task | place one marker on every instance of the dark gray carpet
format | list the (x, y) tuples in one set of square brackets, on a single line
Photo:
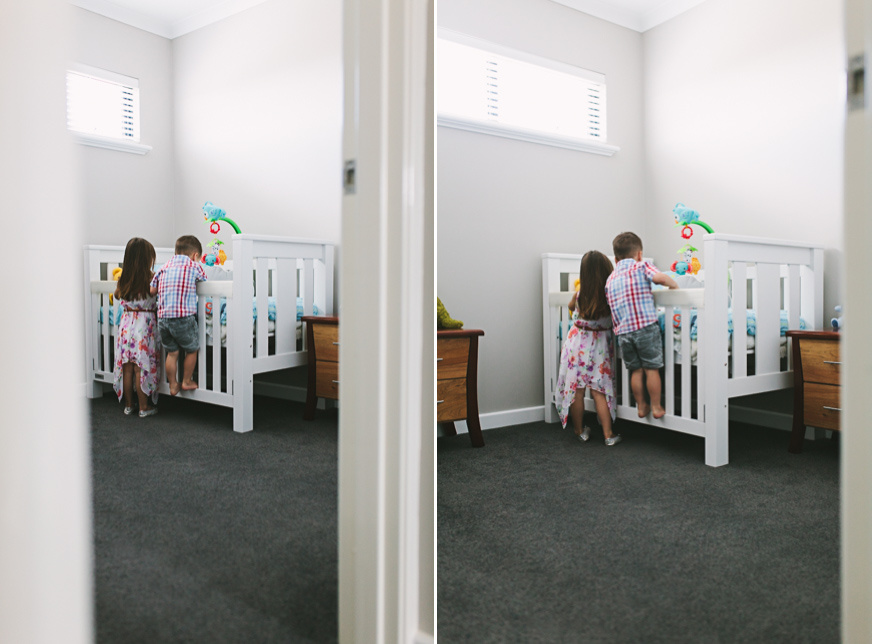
[(541, 538), (207, 536)]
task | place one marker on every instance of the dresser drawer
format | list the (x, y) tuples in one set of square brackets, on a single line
[(326, 379), (452, 355), (450, 400), (821, 405), (820, 361), (326, 341)]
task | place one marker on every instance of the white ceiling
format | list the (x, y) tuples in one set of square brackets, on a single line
[(167, 18), (640, 15), (173, 18)]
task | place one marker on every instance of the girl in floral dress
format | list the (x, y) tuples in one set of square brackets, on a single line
[(587, 357), (137, 348)]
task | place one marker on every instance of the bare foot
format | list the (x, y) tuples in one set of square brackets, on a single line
[(643, 409), (658, 412), (175, 388), (190, 385)]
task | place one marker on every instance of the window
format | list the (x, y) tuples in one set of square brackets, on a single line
[(492, 89), (103, 109)]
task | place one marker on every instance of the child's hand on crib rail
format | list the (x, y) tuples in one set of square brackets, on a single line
[(664, 280)]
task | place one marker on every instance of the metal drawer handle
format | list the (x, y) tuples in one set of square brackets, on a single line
[(832, 408), (831, 362), (439, 402), (335, 382), (438, 359), (336, 344)]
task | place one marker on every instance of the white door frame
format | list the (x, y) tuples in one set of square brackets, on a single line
[(46, 592), (857, 350), (387, 326)]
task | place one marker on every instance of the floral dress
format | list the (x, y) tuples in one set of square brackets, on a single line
[(137, 341), (586, 361)]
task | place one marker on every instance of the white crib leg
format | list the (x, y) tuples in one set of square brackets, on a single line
[(94, 389), (717, 438), (243, 409)]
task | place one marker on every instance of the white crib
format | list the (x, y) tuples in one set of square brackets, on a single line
[(265, 269), (766, 275)]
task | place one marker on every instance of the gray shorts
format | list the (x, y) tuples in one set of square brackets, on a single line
[(178, 333), (643, 348)]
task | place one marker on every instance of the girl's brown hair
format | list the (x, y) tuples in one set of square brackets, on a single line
[(136, 277), (592, 275)]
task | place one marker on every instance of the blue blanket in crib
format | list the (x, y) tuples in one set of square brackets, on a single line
[(271, 313), (750, 317)]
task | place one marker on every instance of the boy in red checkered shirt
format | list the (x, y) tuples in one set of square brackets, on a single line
[(634, 318), (176, 287)]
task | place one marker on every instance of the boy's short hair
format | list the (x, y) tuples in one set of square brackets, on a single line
[(626, 245), (188, 244)]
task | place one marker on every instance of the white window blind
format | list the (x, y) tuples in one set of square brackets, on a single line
[(493, 89), (103, 106)]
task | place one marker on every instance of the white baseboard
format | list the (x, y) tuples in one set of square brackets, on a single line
[(423, 638), (268, 389), (496, 419)]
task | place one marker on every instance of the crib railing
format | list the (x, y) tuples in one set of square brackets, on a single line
[(683, 407), (103, 333), (770, 275)]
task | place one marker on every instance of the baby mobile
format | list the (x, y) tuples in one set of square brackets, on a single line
[(214, 214), (685, 217)]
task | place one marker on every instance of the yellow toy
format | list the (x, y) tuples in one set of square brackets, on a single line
[(116, 275)]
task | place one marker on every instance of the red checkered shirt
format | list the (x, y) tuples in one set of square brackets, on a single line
[(628, 290), (176, 283)]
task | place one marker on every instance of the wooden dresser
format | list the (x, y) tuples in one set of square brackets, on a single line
[(322, 340), (817, 383), (457, 381)]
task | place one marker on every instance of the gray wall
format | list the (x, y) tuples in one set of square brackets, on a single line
[(734, 108), (258, 110), (501, 203), (128, 195), (744, 106)]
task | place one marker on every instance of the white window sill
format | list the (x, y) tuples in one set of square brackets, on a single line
[(531, 136), (109, 143)]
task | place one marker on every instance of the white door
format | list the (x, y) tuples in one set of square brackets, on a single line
[(857, 340), (45, 496), (387, 326)]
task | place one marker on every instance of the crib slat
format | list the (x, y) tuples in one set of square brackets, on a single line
[(285, 292), (262, 295), (216, 344), (201, 329), (793, 307), (767, 352), (308, 286), (625, 381), (686, 360), (107, 320), (95, 332), (669, 360), (700, 364), (739, 338), (228, 346)]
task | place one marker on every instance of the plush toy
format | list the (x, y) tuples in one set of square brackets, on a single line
[(688, 263), (443, 320), (214, 214), (214, 255), (838, 323), (116, 275), (684, 216)]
